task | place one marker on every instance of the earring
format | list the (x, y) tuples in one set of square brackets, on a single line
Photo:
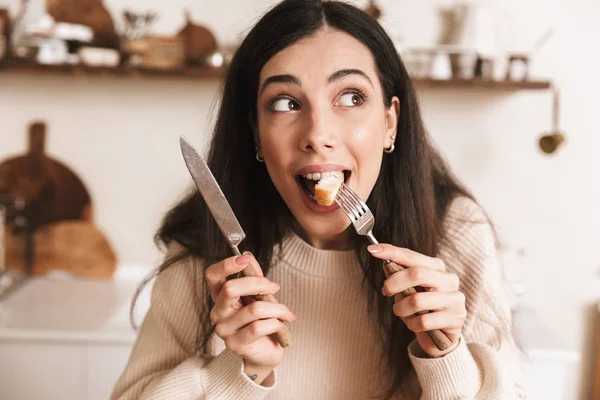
[(392, 147), (259, 158)]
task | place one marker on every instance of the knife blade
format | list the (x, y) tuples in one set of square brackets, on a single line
[(224, 216)]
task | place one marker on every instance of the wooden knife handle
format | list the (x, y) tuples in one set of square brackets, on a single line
[(441, 340), (283, 337)]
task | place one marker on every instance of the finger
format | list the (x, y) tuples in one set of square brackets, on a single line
[(225, 306), (256, 311), (250, 285), (426, 301), (406, 257), (439, 280), (242, 340), (443, 320), (255, 265), (216, 274)]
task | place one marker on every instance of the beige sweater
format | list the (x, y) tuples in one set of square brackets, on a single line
[(334, 354)]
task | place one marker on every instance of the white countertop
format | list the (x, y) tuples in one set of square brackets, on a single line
[(68, 309), (64, 308)]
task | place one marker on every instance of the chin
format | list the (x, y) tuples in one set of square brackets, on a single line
[(322, 227)]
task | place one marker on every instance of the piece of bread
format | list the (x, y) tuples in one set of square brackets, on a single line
[(327, 187)]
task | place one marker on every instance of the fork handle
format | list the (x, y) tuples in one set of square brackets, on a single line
[(441, 340)]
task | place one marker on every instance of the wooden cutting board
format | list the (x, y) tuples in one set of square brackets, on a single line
[(58, 209)]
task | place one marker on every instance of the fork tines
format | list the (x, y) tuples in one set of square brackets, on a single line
[(350, 203)]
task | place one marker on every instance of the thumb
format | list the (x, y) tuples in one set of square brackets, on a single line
[(254, 264)]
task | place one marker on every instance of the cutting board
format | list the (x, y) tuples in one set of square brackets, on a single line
[(58, 210)]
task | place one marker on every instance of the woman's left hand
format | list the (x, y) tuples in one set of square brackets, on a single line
[(443, 297)]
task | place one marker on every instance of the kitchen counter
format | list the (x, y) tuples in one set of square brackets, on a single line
[(60, 308), (64, 308), (73, 337)]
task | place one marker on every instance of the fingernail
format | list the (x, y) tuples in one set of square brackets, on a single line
[(383, 291), (275, 286), (373, 249), (242, 260)]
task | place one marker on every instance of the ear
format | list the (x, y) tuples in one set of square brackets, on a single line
[(391, 121)]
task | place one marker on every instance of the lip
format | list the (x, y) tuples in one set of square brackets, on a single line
[(321, 168)]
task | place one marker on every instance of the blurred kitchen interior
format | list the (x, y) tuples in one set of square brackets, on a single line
[(95, 94)]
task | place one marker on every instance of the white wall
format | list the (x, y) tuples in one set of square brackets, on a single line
[(121, 135)]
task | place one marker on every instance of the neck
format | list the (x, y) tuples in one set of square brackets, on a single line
[(343, 241)]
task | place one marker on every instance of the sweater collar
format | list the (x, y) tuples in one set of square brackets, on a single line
[(316, 262)]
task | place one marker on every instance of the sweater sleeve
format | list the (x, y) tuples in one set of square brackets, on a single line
[(164, 363), (485, 364)]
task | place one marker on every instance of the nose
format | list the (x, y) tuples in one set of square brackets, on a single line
[(319, 135)]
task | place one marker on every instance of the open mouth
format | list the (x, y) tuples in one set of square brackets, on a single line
[(309, 181)]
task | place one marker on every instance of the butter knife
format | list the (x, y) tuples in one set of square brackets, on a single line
[(223, 214)]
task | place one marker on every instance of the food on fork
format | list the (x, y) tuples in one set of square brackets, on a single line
[(327, 187)]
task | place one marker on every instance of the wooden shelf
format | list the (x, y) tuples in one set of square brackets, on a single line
[(198, 73), (482, 84), (208, 73)]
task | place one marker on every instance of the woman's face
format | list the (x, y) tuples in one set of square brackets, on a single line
[(321, 108)]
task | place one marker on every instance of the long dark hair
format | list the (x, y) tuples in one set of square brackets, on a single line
[(410, 197)]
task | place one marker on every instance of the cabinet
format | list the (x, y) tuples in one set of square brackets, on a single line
[(61, 371)]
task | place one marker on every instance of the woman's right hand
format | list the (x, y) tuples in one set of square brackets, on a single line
[(246, 328)]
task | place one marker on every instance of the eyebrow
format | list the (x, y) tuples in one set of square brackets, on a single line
[(345, 72), (279, 79), (336, 76)]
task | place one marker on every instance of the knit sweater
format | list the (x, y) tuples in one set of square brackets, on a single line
[(335, 354)]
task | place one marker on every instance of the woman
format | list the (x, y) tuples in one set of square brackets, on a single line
[(317, 87)]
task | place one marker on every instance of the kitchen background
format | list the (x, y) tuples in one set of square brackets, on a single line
[(120, 135)]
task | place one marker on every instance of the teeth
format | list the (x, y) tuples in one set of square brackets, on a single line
[(317, 176)]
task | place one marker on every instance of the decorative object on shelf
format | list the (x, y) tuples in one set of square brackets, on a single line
[(518, 67), (54, 228), (200, 44), (99, 57), (484, 68), (431, 62), (471, 28), (137, 25), (90, 13), (147, 51), (156, 52), (31, 25), (550, 141), (518, 63), (373, 11), (38, 36)]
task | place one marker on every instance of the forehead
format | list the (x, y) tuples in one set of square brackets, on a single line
[(321, 54)]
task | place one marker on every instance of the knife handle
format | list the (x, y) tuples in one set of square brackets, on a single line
[(283, 337), (441, 340)]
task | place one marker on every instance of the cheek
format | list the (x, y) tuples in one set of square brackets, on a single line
[(277, 155), (365, 137)]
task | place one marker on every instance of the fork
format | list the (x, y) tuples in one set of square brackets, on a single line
[(363, 221)]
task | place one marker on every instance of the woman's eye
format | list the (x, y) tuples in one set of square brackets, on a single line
[(351, 100), (285, 105)]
